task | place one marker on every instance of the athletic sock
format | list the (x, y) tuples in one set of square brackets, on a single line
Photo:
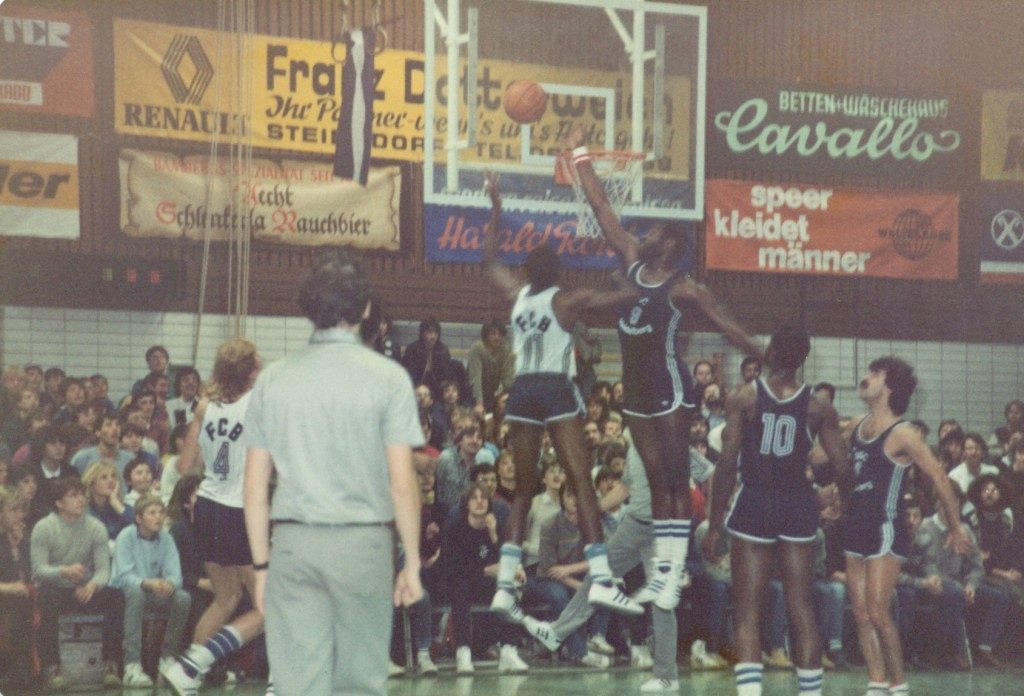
[(198, 660), (748, 678), (597, 560), (900, 689), (810, 681), (511, 557), (671, 539), (877, 689)]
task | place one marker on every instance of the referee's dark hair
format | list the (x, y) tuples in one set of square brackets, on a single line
[(899, 377), (336, 289), (788, 348)]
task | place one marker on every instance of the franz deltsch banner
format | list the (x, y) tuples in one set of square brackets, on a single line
[(455, 235), (39, 185), (771, 127), (791, 228), (45, 61), (287, 202)]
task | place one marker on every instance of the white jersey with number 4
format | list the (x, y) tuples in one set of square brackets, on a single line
[(222, 444), (540, 342)]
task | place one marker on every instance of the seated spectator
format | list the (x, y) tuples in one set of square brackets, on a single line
[(454, 465), (713, 406), (592, 437), (138, 479), (103, 499), (713, 586), (506, 468), (385, 342), (913, 579), (951, 449), (71, 567), (12, 381), (147, 570), (34, 377), (427, 359), (100, 395), (618, 398), (157, 360), (107, 430), (24, 482), (587, 351), (193, 572), (750, 369), (433, 416), (612, 429), (471, 548), (604, 482), (597, 411), (142, 412), (72, 396), (170, 476), (14, 431), (1001, 552), (491, 366), (159, 419), (973, 466), (36, 420), (15, 589), (544, 507), (495, 421), (49, 464), (699, 429), (1015, 476), (830, 587), (182, 407), (52, 397), (1013, 412), (132, 441), (703, 375)]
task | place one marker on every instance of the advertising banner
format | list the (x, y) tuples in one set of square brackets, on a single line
[(1002, 234), (1002, 136), (45, 61), (767, 228), (39, 185), (163, 195), (455, 235), (771, 127)]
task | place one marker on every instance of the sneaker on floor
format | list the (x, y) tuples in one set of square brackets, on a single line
[(509, 661), (611, 597), (110, 678), (827, 664), (395, 670), (55, 681), (672, 588), (426, 665), (134, 676), (600, 644), (701, 659), (270, 688), (640, 657), (778, 660), (655, 685), (542, 631), (175, 677), (463, 660), (505, 603), (595, 660)]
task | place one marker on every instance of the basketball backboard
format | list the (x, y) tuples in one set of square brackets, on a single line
[(632, 73)]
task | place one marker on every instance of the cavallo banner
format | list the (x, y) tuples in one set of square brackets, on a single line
[(164, 195), (45, 61), (39, 185), (1002, 136), (791, 228), (1002, 234), (455, 235), (771, 127)]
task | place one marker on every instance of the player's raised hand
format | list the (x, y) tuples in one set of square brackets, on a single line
[(491, 181), (577, 137)]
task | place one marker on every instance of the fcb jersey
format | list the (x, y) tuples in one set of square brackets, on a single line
[(540, 343), (221, 442)]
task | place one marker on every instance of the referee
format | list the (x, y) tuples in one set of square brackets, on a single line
[(337, 421)]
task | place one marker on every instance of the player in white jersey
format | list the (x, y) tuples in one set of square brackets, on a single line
[(543, 395), (216, 439)]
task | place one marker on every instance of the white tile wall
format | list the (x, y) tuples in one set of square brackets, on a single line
[(969, 382)]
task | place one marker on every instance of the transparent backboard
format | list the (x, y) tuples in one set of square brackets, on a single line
[(632, 73)]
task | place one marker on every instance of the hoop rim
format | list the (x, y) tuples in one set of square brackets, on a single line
[(608, 154)]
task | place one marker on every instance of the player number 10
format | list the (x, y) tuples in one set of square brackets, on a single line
[(778, 435)]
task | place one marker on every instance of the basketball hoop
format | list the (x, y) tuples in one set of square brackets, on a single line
[(617, 170)]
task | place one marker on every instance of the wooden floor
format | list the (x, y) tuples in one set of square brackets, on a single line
[(546, 682)]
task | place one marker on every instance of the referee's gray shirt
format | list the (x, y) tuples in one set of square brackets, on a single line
[(326, 413)]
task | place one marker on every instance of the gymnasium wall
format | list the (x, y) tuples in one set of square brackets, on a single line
[(943, 45)]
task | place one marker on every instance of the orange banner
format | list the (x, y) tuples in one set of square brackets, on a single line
[(45, 61), (821, 230)]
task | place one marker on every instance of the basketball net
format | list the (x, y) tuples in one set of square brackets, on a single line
[(617, 171)]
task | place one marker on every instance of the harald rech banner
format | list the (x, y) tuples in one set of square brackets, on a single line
[(808, 131)]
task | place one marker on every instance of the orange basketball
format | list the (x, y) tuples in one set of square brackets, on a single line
[(525, 101)]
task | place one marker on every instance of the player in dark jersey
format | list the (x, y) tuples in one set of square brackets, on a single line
[(659, 393), (770, 427), (874, 537)]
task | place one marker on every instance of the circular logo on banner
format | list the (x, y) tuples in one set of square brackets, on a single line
[(912, 234), (1008, 229)]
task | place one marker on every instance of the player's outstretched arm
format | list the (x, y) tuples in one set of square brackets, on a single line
[(500, 276), (831, 439), (724, 479), (569, 304), (687, 289), (622, 241), (909, 441)]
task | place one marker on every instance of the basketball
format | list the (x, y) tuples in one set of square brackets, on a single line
[(525, 101)]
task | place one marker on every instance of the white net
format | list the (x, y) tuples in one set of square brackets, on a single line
[(618, 172)]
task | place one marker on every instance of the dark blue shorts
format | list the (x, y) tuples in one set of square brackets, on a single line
[(220, 533), (660, 391), (874, 538), (544, 397), (765, 515)]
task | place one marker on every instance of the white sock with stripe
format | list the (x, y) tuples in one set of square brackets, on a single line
[(508, 562), (810, 681), (671, 542), (748, 678)]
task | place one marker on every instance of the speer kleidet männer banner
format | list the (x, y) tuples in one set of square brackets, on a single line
[(809, 131)]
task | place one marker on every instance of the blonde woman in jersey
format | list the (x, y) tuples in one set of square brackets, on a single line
[(216, 440), (543, 395)]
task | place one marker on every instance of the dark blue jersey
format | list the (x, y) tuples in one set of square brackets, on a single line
[(655, 378), (881, 482), (773, 453)]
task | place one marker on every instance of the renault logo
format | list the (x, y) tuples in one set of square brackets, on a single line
[(185, 45)]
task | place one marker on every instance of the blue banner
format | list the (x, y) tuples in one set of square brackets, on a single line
[(1002, 234), (455, 235)]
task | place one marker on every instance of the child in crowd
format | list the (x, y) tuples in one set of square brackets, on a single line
[(138, 478)]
